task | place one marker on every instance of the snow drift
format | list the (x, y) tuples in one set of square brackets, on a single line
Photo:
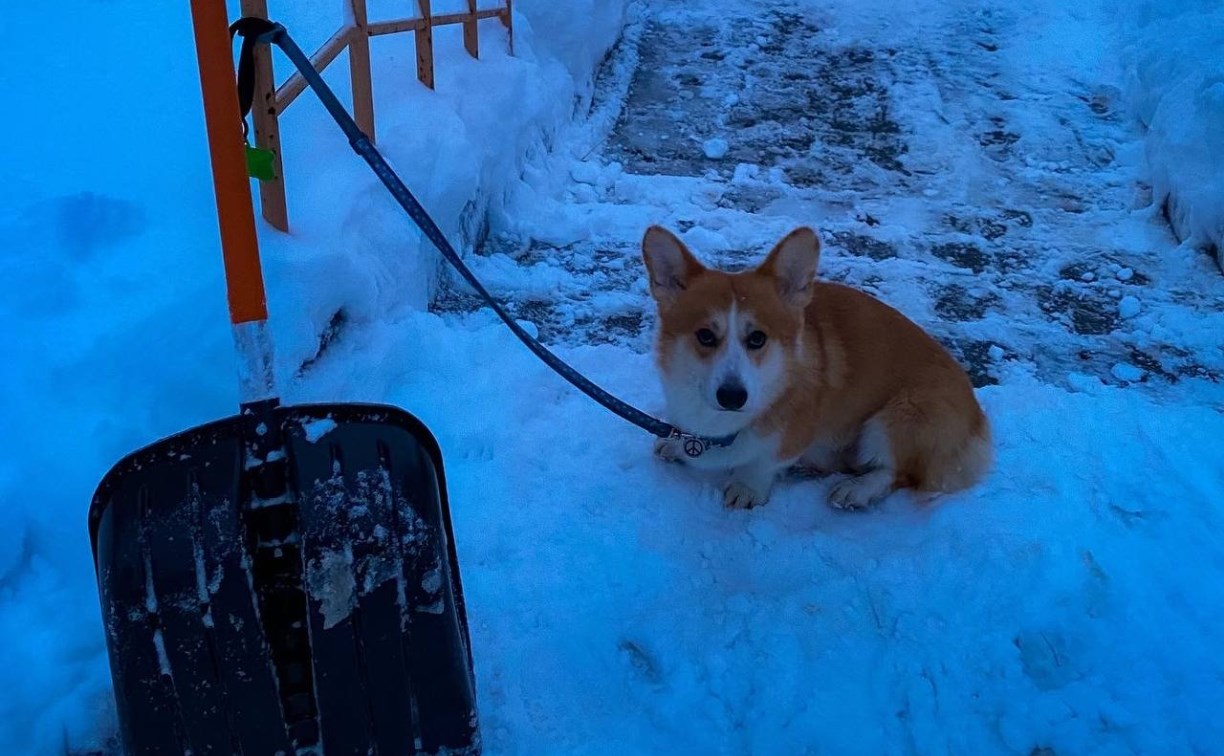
[(1176, 77)]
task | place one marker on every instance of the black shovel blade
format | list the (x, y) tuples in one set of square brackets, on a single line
[(310, 601)]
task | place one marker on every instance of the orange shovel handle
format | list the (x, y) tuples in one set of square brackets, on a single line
[(235, 213)]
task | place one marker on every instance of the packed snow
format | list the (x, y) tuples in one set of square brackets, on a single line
[(999, 171)]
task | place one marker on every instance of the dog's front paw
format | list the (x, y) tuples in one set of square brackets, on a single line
[(861, 491), (668, 449), (738, 495)]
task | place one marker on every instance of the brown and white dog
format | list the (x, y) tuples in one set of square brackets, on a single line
[(809, 374)]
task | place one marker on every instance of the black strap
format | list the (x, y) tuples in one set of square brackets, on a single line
[(251, 29), (258, 30)]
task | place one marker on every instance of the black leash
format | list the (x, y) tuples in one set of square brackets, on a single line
[(257, 30)]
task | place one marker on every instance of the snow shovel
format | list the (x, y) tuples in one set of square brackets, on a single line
[(284, 580)]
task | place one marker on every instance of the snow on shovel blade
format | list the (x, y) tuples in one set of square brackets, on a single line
[(329, 615)]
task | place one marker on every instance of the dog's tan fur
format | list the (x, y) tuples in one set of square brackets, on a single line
[(859, 388)]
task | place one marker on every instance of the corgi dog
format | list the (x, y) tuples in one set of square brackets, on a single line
[(808, 374)]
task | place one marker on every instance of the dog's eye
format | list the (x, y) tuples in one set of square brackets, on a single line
[(757, 339), (706, 337)]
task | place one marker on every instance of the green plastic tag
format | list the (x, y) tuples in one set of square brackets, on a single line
[(261, 164)]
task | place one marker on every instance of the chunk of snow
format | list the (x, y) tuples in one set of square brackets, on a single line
[(1124, 371), (745, 173), (1128, 307), (1082, 383), (163, 659), (585, 173), (705, 240), (585, 193), (432, 582), (715, 148), (317, 429), (332, 583)]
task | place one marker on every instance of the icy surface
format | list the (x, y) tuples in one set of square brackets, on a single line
[(991, 189), (972, 163)]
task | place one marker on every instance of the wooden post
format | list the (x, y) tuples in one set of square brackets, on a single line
[(471, 31), (267, 130), (424, 46), (359, 70), (508, 22)]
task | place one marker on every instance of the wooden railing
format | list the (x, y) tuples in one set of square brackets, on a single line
[(271, 101)]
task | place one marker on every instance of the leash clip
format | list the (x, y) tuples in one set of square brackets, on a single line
[(693, 446)]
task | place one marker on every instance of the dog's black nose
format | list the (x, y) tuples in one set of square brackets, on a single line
[(731, 396)]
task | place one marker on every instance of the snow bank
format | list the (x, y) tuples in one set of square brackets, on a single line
[(112, 298), (1176, 83), (459, 148)]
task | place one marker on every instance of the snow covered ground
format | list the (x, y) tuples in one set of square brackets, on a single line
[(1176, 84), (973, 163)]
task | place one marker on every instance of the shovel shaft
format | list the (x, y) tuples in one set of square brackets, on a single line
[(235, 213), (243, 277)]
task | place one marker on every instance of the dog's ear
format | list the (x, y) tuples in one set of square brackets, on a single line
[(792, 265), (669, 264)]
